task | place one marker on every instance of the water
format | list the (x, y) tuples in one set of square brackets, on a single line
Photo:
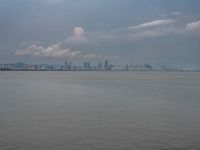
[(99, 110)]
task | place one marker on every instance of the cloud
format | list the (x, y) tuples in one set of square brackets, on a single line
[(58, 50), (193, 26), (79, 36), (55, 51), (154, 29), (52, 51), (147, 34), (164, 31), (154, 23), (78, 32), (154, 33)]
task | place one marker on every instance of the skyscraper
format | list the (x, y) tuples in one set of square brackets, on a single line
[(106, 65)]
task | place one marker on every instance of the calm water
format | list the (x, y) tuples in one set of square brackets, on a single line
[(99, 111)]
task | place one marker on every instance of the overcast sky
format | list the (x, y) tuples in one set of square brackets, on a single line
[(144, 31)]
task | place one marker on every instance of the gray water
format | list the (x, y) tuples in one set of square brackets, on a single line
[(99, 111)]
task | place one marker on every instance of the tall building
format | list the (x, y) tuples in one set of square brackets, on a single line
[(106, 66), (99, 66), (86, 65), (66, 63), (68, 66)]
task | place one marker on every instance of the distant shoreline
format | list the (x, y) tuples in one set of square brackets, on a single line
[(99, 70)]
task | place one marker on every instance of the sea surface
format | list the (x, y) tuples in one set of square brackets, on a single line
[(99, 111)]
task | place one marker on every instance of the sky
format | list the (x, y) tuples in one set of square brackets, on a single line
[(165, 32)]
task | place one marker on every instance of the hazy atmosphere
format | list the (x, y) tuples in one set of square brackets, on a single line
[(99, 74), (145, 31)]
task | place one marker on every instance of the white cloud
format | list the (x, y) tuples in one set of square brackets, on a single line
[(154, 23), (193, 26), (55, 51), (79, 36), (147, 34), (52, 51), (154, 29), (78, 32), (153, 33), (165, 31)]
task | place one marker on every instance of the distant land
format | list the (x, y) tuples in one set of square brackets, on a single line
[(87, 66)]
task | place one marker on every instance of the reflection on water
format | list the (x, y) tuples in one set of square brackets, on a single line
[(99, 110)]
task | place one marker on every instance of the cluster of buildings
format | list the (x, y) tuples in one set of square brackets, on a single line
[(68, 66), (86, 66)]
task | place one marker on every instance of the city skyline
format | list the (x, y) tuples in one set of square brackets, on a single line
[(89, 66), (69, 66), (164, 33)]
